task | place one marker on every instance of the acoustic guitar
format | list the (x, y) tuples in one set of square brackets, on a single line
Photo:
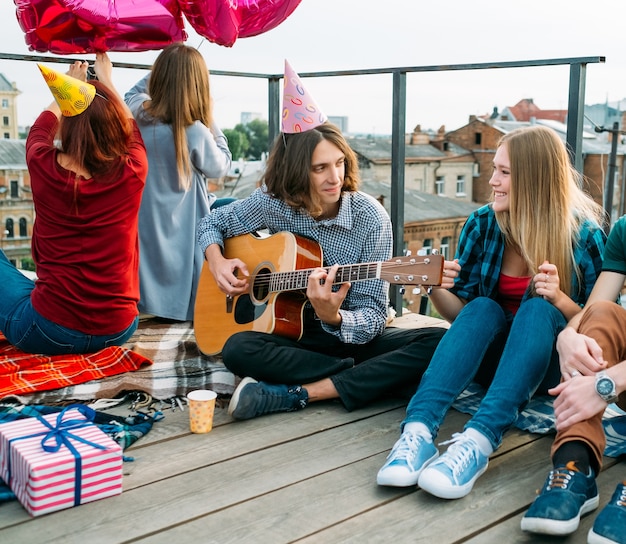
[(279, 267)]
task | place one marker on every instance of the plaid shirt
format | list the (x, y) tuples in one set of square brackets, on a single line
[(360, 233), (481, 246)]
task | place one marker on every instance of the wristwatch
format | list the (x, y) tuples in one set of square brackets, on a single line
[(605, 387)]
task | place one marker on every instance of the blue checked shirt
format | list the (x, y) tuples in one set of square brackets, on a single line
[(360, 233), (480, 250)]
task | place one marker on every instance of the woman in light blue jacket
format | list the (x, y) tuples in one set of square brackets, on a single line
[(173, 109)]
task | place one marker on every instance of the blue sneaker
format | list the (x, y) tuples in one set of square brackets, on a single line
[(567, 494), (452, 476), (610, 525), (408, 457), (253, 399)]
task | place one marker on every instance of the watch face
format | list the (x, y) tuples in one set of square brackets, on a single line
[(604, 386)]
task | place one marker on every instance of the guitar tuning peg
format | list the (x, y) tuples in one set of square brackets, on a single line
[(402, 290), (407, 252)]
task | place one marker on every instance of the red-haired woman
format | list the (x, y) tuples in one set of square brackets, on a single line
[(86, 191)]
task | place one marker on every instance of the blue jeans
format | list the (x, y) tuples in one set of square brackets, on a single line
[(29, 331), (513, 356)]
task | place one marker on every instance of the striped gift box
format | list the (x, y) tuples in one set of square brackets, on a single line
[(58, 461)]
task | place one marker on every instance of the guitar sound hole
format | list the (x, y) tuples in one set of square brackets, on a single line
[(246, 311), (260, 286)]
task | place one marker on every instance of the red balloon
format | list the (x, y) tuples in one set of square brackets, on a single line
[(90, 26), (223, 21)]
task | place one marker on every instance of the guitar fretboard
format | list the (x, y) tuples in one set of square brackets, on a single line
[(298, 279)]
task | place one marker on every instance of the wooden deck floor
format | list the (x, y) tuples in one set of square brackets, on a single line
[(305, 477)]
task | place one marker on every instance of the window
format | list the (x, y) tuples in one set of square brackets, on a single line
[(440, 186), (5, 103), (445, 247), (5, 120), (23, 227), (478, 138), (427, 247), (460, 186), (14, 189), (7, 136), (8, 228)]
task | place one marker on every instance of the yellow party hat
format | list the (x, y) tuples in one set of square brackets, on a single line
[(72, 95)]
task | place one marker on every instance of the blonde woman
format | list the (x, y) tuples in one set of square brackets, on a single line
[(525, 265), (172, 106)]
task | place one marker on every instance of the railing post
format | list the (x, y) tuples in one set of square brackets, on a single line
[(397, 175), (575, 113), (273, 106)]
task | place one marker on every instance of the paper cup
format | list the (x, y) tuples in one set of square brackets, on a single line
[(201, 408)]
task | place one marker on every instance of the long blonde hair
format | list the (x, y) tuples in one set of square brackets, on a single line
[(547, 205), (180, 95)]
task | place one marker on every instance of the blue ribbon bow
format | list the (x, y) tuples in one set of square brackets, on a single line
[(59, 435)]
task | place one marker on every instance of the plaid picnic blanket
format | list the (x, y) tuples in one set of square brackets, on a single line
[(22, 373), (538, 417), (177, 368), (123, 430)]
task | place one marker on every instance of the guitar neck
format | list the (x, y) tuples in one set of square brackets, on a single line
[(297, 279)]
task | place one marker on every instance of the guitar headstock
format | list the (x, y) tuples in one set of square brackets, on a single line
[(424, 270)]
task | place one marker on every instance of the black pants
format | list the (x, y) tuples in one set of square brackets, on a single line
[(390, 365)]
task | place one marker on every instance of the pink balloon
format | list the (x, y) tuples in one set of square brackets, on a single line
[(89, 26), (223, 21)]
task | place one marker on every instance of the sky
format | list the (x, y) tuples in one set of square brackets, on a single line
[(322, 35)]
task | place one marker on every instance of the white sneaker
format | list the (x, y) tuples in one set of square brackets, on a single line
[(408, 457), (453, 475)]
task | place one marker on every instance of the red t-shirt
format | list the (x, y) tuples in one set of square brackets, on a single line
[(511, 291), (85, 244)]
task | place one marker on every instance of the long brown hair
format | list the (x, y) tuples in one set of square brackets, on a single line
[(287, 174), (98, 139), (546, 203), (180, 95)]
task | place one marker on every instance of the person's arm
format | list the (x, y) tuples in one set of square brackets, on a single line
[(577, 399), (138, 92), (231, 275), (463, 278), (104, 71), (208, 150), (578, 352), (357, 312), (608, 286), (446, 302)]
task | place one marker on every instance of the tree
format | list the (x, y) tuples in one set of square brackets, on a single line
[(237, 143), (257, 132)]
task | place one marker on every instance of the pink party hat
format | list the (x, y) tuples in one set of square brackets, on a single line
[(300, 111)]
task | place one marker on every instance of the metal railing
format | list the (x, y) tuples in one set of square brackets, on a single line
[(575, 113)]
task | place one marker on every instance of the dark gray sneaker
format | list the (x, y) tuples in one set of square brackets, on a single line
[(566, 495), (253, 399)]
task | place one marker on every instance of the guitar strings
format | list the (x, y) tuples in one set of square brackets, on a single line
[(291, 277)]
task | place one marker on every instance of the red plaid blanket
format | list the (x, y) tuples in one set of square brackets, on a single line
[(22, 373)]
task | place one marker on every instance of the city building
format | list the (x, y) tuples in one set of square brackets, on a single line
[(17, 212), (430, 166), (481, 135), (248, 116), (340, 121), (8, 109)]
